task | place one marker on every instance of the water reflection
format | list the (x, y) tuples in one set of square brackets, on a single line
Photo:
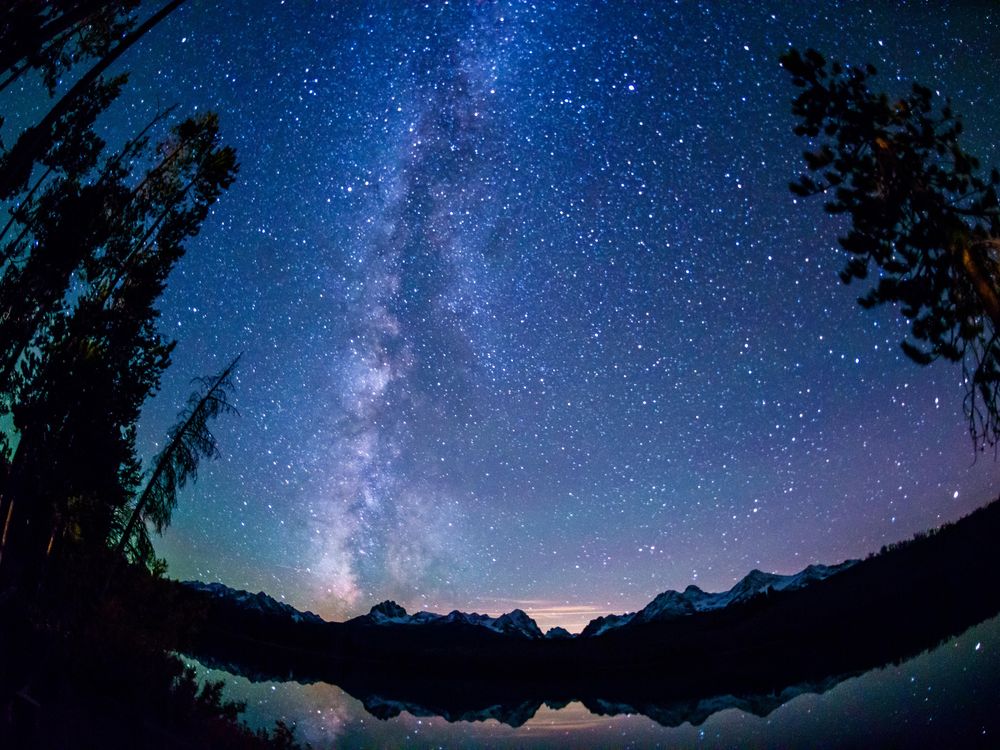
[(945, 697)]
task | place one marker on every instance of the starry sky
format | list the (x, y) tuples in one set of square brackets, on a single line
[(530, 317)]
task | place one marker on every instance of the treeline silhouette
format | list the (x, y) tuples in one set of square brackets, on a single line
[(89, 234)]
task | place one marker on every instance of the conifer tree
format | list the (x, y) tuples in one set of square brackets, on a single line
[(920, 211), (83, 384), (34, 142), (85, 252), (53, 36), (188, 443)]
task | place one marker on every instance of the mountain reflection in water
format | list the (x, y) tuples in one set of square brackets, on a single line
[(944, 697)]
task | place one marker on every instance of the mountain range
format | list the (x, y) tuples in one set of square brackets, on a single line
[(260, 603), (668, 606), (671, 605), (766, 633), (515, 623)]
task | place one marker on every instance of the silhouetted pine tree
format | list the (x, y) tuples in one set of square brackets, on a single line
[(53, 36), (66, 224), (84, 255), (188, 443), (75, 461), (83, 384), (919, 211), (33, 143)]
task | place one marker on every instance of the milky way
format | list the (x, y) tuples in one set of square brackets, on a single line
[(529, 315)]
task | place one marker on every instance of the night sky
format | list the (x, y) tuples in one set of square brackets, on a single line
[(530, 317)]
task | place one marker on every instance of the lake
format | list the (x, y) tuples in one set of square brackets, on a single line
[(946, 697)]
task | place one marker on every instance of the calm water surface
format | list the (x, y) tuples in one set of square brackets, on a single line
[(948, 697)]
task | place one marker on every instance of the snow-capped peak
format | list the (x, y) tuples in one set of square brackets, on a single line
[(516, 623), (671, 605), (259, 602), (388, 611)]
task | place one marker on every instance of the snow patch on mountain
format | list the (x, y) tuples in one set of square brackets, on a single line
[(671, 605), (259, 602), (516, 623)]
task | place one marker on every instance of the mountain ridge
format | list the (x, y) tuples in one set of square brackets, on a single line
[(388, 613), (665, 607), (260, 602), (891, 605), (671, 604)]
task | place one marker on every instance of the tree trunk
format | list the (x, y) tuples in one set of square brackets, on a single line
[(8, 503), (15, 169), (982, 282), (24, 48)]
